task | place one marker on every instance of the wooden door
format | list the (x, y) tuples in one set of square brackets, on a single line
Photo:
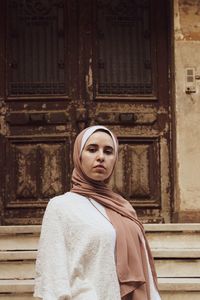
[(126, 54), (38, 100), (69, 64)]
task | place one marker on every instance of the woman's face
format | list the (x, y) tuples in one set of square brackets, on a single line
[(98, 156)]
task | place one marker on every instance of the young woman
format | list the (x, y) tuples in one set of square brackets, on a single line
[(92, 246)]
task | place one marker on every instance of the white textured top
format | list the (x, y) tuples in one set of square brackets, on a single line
[(75, 258), (76, 252)]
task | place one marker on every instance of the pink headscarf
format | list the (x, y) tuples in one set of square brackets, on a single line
[(131, 260)]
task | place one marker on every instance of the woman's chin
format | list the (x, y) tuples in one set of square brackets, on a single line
[(99, 177)]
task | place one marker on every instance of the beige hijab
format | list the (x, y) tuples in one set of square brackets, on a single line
[(131, 260)]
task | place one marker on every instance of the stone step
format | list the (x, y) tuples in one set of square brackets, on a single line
[(17, 255), (179, 288), (19, 237), (174, 295), (11, 296), (170, 243), (21, 264), (164, 296), (16, 286), (165, 268), (17, 270), (160, 236), (174, 288), (157, 253), (176, 253), (170, 236), (175, 247), (178, 268)]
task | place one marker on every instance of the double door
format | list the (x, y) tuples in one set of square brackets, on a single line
[(66, 65)]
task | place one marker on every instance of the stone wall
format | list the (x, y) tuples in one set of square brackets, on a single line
[(187, 111)]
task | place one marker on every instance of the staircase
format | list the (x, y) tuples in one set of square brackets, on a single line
[(176, 249)]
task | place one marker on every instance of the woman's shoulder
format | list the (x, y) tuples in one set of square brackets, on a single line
[(68, 200), (64, 206)]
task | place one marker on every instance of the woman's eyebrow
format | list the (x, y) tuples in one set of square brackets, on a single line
[(110, 147), (96, 145), (92, 145)]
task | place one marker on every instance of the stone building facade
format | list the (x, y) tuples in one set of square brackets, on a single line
[(186, 37)]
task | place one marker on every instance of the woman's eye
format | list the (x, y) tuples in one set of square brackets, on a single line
[(92, 150), (108, 152)]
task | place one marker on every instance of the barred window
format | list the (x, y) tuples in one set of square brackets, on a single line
[(124, 47), (36, 38)]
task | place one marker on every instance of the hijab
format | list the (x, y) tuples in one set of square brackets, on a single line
[(130, 252)]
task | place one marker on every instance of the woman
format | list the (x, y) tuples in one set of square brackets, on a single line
[(92, 246)]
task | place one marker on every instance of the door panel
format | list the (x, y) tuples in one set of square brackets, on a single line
[(36, 171), (71, 64), (127, 90), (140, 180)]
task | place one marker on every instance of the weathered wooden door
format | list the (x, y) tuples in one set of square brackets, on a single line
[(69, 64)]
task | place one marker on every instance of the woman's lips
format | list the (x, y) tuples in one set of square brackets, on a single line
[(99, 167)]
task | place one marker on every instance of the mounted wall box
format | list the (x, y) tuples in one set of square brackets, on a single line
[(190, 81)]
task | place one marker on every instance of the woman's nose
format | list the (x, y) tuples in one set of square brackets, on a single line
[(100, 155)]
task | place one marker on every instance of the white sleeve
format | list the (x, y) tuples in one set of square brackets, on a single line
[(52, 271)]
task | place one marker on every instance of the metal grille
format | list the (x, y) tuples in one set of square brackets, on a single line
[(124, 47), (36, 37)]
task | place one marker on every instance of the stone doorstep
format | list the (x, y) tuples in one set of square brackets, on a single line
[(165, 284)]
